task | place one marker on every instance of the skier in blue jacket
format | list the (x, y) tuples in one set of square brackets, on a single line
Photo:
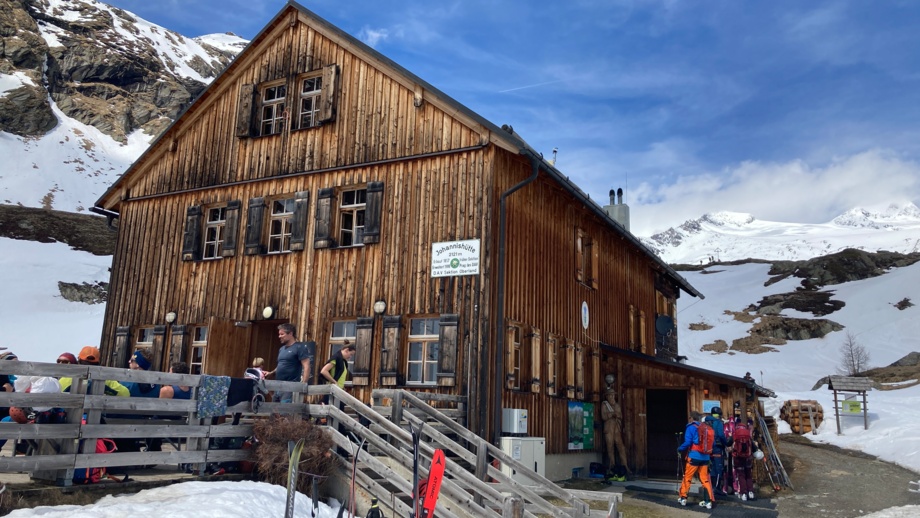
[(717, 458), (697, 462)]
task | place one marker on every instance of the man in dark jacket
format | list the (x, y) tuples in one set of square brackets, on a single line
[(717, 458)]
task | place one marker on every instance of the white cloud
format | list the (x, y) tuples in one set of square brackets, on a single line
[(794, 191), (373, 36)]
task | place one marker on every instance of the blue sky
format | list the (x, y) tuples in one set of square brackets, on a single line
[(790, 111)]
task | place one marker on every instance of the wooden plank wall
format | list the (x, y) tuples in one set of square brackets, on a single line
[(435, 199), (542, 290)]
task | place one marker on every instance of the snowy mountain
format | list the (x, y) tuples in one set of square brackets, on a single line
[(731, 236), (84, 88)]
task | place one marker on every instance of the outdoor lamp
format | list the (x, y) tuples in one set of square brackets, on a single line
[(268, 312), (170, 317), (379, 307)]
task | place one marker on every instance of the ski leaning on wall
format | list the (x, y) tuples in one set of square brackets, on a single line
[(433, 484)]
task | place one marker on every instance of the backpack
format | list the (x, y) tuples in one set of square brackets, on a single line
[(94, 475), (742, 448), (705, 437)]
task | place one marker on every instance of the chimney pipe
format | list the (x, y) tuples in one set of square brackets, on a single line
[(620, 196)]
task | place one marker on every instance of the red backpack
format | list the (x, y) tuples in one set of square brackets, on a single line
[(94, 475), (742, 447), (705, 437)]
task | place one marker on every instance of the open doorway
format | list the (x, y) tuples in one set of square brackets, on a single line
[(666, 419), (263, 342)]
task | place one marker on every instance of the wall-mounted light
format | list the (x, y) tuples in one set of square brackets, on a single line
[(268, 312), (170, 317), (610, 378), (380, 307)]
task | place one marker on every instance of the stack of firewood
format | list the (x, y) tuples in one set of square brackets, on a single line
[(803, 415)]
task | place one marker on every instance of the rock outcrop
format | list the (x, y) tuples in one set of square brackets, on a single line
[(99, 65)]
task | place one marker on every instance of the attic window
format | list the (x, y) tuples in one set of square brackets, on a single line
[(308, 111), (273, 110), (586, 256)]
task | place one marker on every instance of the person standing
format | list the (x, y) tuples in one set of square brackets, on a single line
[(717, 458), (743, 452), (697, 461), (293, 361), (336, 369)]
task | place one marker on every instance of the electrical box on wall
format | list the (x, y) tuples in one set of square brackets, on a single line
[(529, 451), (514, 421)]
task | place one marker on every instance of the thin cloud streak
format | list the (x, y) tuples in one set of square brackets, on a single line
[(530, 86)]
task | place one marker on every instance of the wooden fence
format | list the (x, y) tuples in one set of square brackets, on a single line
[(56, 450)]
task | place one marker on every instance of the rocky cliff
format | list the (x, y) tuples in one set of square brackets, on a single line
[(99, 65)]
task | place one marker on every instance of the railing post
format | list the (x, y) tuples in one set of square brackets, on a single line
[(512, 507), (482, 467)]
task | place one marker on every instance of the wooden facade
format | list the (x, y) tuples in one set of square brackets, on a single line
[(252, 199)]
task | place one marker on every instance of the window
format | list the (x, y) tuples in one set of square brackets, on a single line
[(144, 337), (351, 217), (211, 233), (308, 113), (554, 366), (586, 259), (214, 232), (279, 226), (198, 350), (344, 332), (273, 110), (422, 364)]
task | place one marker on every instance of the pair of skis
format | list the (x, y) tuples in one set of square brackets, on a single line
[(431, 487)]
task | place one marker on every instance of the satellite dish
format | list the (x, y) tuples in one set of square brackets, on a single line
[(664, 325)]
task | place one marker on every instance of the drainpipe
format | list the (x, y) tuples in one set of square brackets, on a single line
[(499, 386)]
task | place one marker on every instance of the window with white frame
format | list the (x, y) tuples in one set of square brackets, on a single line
[(214, 227), (280, 223), (311, 89), (198, 350), (144, 337), (351, 217), (422, 360), (343, 332), (273, 110)]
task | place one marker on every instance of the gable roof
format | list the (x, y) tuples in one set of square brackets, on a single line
[(504, 137)]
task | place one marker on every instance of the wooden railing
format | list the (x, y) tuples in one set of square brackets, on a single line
[(59, 449)]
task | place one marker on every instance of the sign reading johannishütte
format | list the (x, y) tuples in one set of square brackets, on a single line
[(454, 258)]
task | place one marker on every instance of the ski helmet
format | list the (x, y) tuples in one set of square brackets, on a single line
[(758, 454), (18, 415), (716, 411)]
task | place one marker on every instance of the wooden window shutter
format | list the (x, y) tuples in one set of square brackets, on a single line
[(642, 342), (632, 327), (245, 111), (536, 349), (579, 255), (551, 357), (595, 386), (510, 382), (363, 342), (299, 225), (122, 347), (191, 241), (178, 344), (579, 371), (389, 354), (594, 262), (159, 347), (329, 94), (254, 217), (322, 229), (372, 212), (447, 352), (570, 381), (231, 228)]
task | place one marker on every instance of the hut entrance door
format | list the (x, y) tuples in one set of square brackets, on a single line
[(228, 343), (666, 418), (264, 342)]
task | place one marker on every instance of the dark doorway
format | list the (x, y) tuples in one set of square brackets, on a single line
[(666, 418), (264, 342)]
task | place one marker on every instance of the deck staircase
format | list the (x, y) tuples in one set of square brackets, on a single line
[(474, 484)]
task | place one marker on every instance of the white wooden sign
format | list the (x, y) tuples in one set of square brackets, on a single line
[(455, 258)]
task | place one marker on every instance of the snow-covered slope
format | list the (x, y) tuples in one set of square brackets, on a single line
[(730, 236)]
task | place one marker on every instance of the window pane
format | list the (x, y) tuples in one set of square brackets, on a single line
[(201, 334), (348, 198), (415, 351), (431, 372), (417, 327), (415, 372)]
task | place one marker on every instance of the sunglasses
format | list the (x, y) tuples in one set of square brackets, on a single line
[(63, 361)]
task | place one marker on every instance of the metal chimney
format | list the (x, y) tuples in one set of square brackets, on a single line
[(617, 210)]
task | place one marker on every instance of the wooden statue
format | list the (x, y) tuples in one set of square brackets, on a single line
[(612, 414)]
